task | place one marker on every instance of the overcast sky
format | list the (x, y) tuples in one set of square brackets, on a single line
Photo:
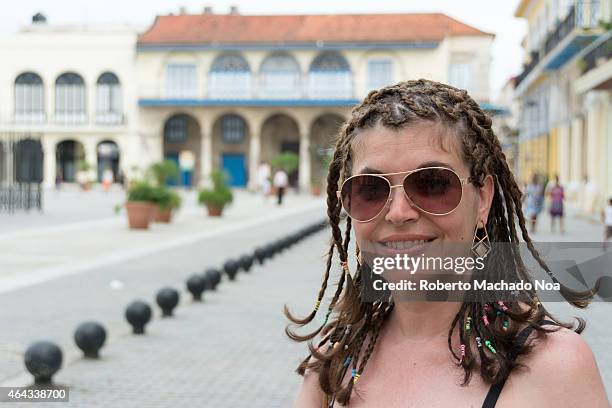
[(487, 15)]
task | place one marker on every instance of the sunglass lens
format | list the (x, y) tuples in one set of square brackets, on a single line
[(363, 197), (437, 191)]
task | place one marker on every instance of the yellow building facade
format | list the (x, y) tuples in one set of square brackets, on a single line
[(564, 93)]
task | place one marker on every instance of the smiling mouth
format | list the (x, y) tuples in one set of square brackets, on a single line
[(405, 245)]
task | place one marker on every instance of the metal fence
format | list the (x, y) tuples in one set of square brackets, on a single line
[(21, 172)]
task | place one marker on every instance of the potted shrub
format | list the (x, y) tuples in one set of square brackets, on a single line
[(218, 197), (139, 205), (82, 176), (162, 204)]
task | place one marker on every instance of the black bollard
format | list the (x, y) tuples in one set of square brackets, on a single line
[(213, 276), (260, 255), (43, 359), (167, 299), (246, 261), (196, 284), (231, 268), (138, 314), (90, 337)]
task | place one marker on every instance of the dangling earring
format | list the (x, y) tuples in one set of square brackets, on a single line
[(481, 246)]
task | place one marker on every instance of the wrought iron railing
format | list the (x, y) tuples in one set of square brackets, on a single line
[(600, 52)]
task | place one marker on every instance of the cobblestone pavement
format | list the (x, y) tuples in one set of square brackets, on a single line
[(229, 351)]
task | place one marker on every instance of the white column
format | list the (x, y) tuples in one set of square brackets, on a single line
[(304, 169), (49, 170), (50, 102), (206, 154), (254, 154), (576, 151), (564, 152), (91, 107)]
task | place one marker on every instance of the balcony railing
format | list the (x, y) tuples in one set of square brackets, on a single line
[(535, 59), (584, 14), (251, 87), (600, 52), (64, 118)]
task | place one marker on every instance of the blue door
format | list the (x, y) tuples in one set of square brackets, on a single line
[(174, 158), (234, 164)]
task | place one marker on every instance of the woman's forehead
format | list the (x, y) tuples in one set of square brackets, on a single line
[(389, 150)]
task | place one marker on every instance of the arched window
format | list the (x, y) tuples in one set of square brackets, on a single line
[(279, 77), (175, 130), (108, 99), (380, 73), (29, 98), (233, 129), (229, 78), (70, 99), (330, 77)]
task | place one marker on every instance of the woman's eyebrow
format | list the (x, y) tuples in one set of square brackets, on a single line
[(370, 170), (435, 164)]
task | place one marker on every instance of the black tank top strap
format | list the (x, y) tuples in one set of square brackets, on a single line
[(496, 389)]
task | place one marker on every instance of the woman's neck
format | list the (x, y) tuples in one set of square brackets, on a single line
[(421, 321)]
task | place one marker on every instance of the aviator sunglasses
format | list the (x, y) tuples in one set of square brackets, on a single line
[(433, 190)]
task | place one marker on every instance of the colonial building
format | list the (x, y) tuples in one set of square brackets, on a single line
[(564, 96), (222, 91), (71, 89)]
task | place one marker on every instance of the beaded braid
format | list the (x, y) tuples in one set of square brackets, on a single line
[(493, 336)]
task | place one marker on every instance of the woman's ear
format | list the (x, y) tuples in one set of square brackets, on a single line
[(486, 193)]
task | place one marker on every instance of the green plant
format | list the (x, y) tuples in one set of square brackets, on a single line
[(220, 195), (141, 191), (606, 25), (287, 161), (162, 196), (581, 64), (175, 199), (83, 165), (163, 171)]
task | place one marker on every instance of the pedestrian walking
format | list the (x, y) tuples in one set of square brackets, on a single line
[(534, 197), (263, 178), (280, 182), (107, 178), (606, 217), (557, 195)]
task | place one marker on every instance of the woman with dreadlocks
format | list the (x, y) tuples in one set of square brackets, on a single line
[(435, 144)]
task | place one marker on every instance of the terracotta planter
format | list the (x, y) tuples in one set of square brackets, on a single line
[(139, 214), (213, 210), (159, 215), (316, 190)]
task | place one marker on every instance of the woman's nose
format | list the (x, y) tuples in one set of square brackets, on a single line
[(401, 210)]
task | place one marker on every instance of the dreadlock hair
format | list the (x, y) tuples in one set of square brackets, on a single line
[(490, 338)]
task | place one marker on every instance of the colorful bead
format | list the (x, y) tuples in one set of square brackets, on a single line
[(356, 378), (490, 346), (347, 362), (486, 307), (317, 305), (506, 324), (462, 348), (478, 342), (503, 305), (485, 319), (468, 324), (499, 313)]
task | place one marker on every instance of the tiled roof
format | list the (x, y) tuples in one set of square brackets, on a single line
[(345, 28)]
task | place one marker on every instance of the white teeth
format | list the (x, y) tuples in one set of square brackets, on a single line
[(403, 244)]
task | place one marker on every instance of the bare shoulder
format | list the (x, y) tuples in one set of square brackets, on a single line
[(562, 371), (309, 395)]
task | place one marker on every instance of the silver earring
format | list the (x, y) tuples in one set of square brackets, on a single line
[(481, 246)]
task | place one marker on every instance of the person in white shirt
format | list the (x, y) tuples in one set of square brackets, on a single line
[(280, 182), (606, 216)]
